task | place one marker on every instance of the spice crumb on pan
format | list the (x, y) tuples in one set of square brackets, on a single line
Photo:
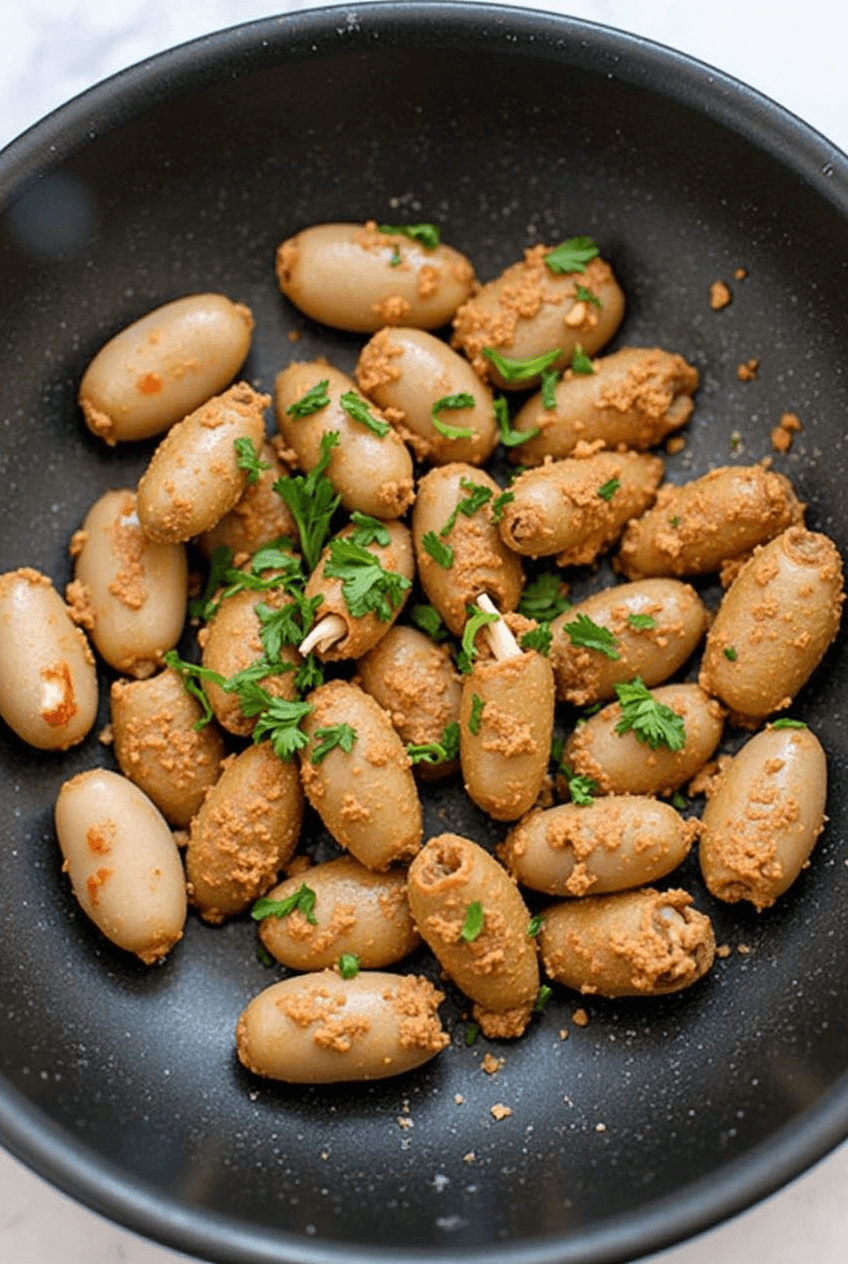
[(740, 273), (748, 370), (491, 1065), (580, 1018), (499, 1111), (600, 1127), (723, 950), (675, 444), (470, 1157), (785, 431), (743, 949), (563, 1031), (720, 295)]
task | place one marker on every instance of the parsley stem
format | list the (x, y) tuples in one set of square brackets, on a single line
[(326, 632)]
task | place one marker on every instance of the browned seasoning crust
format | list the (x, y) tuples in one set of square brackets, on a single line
[(497, 969), (416, 683), (504, 762), (493, 317), (321, 1029), (158, 747), (695, 528), (244, 833), (635, 397), (557, 508), (367, 797), (632, 943)]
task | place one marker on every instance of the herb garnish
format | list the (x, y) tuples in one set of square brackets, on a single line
[(278, 718), (500, 503), (312, 500), (477, 619), (541, 599), (572, 255), (479, 495), (580, 362), (357, 409), (369, 531), (313, 401), (642, 621), (786, 723), (303, 900), (437, 752), (191, 674), (428, 619), (462, 400), (511, 370), (580, 787), (349, 965), (545, 994), (651, 721), (341, 735), (730, 653), (585, 295), (475, 720), (584, 633), (550, 377), (247, 459), (535, 925), (427, 235), (440, 553), (510, 438), (473, 922), (607, 490), (538, 639), (367, 587)]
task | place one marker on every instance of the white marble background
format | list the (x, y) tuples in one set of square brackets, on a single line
[(53, 49)]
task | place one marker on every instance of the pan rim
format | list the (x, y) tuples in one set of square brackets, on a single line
[(640, 62)]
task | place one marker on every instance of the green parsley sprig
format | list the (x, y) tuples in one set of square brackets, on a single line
[(427, 235), (248, 459), (510, 438), (367, 587), (651, 722), (357, 409), (515, 371), (312, 500), (477, 619), (479, 495), (303, 900), (455, 402), (542, 600), (327, 739), (440, 752), (584, 633), (313, 401), (572, 255)]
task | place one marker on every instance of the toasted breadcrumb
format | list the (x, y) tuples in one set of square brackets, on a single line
[(740, 273), (723, 951), (499, 1111), (747, 371), (580, 1018), (491, 1065), (783, 433), (720, 295)]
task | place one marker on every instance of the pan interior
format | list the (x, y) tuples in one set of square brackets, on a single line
[(505, 128)]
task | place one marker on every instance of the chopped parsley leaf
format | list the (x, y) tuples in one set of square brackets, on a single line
[(511, 370), (303, 900), (730, 653), (437, 752), (607, 490), (440, 553), (535, 925), (369, 530), (341, 735), (312, 500), (312, 402), (580, 362), (538, 639), (545, 994), (541, 599), (473, 922), (642, 621), (572, 255), (477, 619), (786, 723), (475, 720), (248, 460), (462, 400), (652, 722), (586, 634), (349, 965), (500, 503), (479, 496), (550, 377), (427, 235), (428, 619), (510, 438), (357, 409), (192, 674), (367, 587), (585, 295)]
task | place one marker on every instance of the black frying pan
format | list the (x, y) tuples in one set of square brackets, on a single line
[(120, 1083)]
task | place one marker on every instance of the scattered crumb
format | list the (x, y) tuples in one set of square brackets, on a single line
[(783, 434), (743, 948), (405, 1122), (740, 273), (181, 837), (294, 335), (106, 735), (600, 1127), (491, 1065), (720, 295), (499, 1111), (675, 444), (325, 1154), (580, 1018), (458, 1098), (470, 1157), (563, 1031), (723, 950), (736, 441), (747, 371)]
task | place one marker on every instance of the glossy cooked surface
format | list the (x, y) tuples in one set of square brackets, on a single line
[(678, 195)]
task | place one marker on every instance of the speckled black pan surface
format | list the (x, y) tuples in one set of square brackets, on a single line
[(120, 1083)]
